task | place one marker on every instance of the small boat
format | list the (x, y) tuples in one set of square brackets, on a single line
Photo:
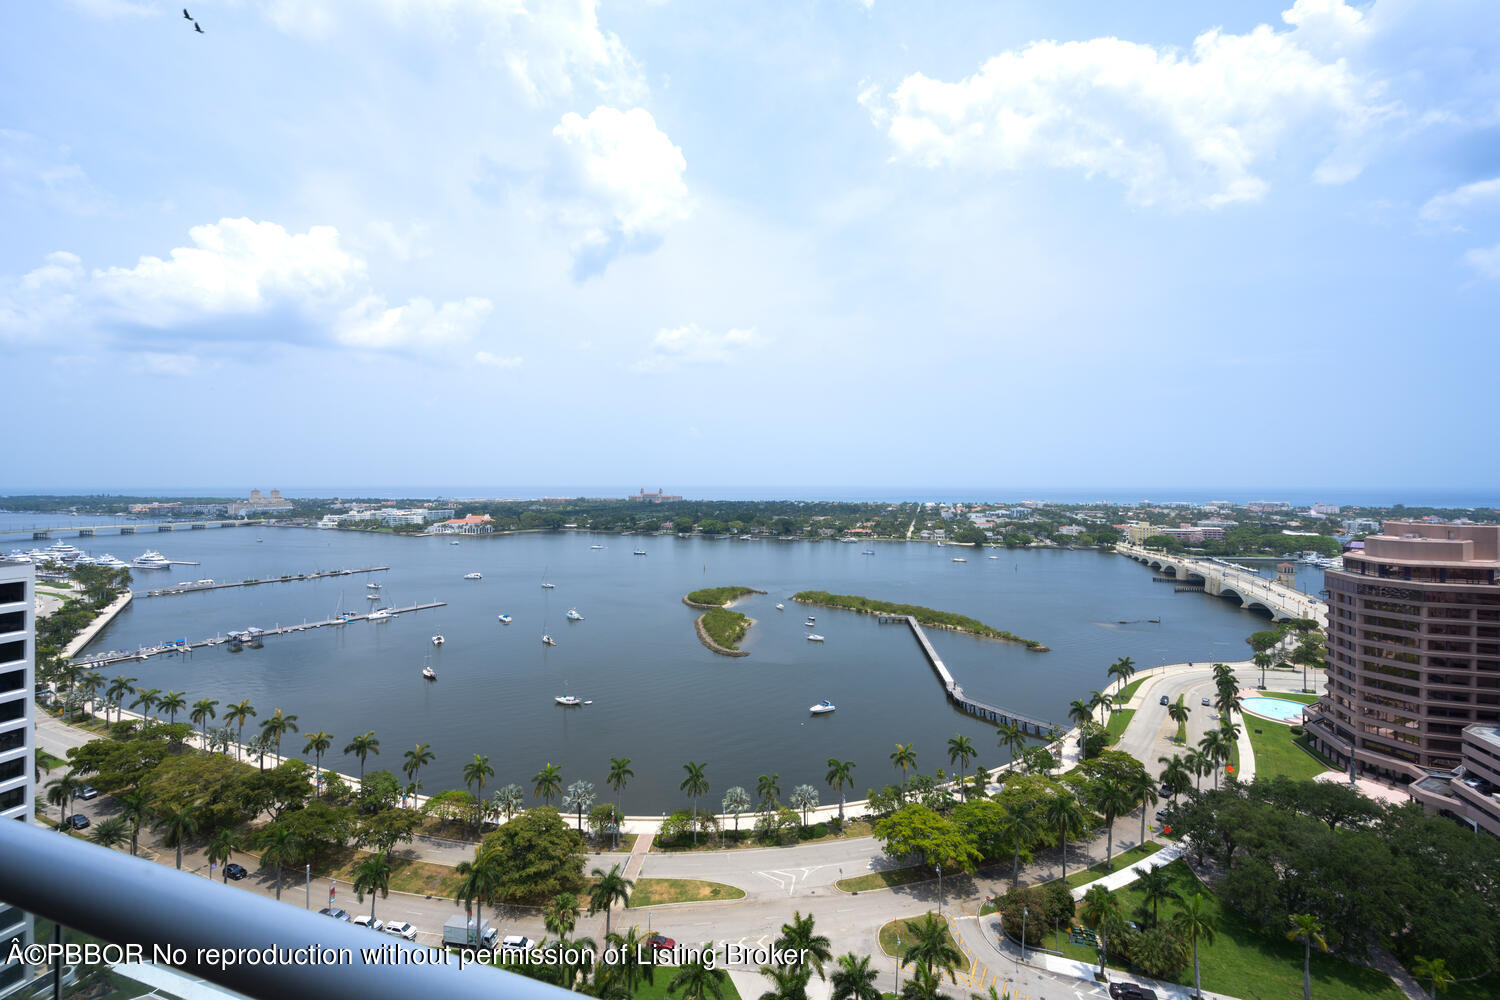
[(781, 607), (372, 597), (505, 619), (994, 557), (822, 708), (812, 618), (596, 546), (814, 637), (380, 616), (573, 615), (568, 700), (868, 552), (452, 543), (373, 586), (960, 559), (429, 673), (547, 640), (438, 640), (473, 576), (640, 552)]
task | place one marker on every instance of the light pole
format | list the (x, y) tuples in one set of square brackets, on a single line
[(309, 887), (940, 890), (1023, 933)]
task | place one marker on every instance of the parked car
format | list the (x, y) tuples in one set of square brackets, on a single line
[(77, 821), (1131, 991), (660, 942), (1166, 792), (88, 792), (235, 872), (516, 942), (401, 929), (365, 920), (335, 913)]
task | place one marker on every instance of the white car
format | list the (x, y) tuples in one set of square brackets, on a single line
[(364, 920), (401, 929), (516, 942)]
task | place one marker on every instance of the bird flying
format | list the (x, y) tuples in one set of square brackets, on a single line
[(186, 16), (198, 27)]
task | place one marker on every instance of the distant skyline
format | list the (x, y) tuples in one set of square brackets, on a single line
[(847, 242)]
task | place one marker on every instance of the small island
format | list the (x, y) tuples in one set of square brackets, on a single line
[(721, 631), (929, 617), (717, 597)]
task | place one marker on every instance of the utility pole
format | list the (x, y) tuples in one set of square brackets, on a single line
[(1023, 933), (309, 887)]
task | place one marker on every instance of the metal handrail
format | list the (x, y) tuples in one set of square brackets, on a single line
[(126, 900)]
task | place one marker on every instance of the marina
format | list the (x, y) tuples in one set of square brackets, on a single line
[(202, 585)]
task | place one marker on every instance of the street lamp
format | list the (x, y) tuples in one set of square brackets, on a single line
[(1023, 933), (940, 890)]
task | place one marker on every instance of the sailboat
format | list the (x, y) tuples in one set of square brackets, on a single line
[(427, 671), (545, 584)]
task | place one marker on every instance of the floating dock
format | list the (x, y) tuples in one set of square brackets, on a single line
[(194, 588), (179, 646)]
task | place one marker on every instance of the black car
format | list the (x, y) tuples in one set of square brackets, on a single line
[(1166, 792), (1164, 700), (77, 821), (234, 871), (1130, 991)]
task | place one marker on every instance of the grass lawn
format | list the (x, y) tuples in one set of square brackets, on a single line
[(1306, 699), (1276, 752), (47, 762), (1124, 859), (1058, 941), (658, 989), (420, 877), (1245, 961), (889, 931), (658, 891), (885, 879), (1129, 691), (1117, 723)]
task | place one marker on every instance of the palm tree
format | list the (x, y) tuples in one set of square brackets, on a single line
[(91, 683), (768, 791), (372, 876), (854, 980), (1435, 971), (631, 967), (619, 776), (417, 758), (280, 845), (1309, 930), (612, 887), (1143, 787), (1112, 798), (479, 880), (277, 725), (1262, 660), (176, 823), (736, 801), (960, 751), (798, 937), (1080, 711), (561, 915), (203, 710), (1228, 703), (1197, 761), (547, 783), (118, 688), (1176, 775), (804, 797), (931, 947), (317, 745), (60, 791), (508, 800), (1100, 910), (788, 982), (1178, 712), (1019, 826), (146, 699), (698, 980), (475, 773), (172, 702), (579, 797), (1155, 885), (135, 808), (110, 832), (1215, 749), (361, 747), (1121, 670), (903, 757), (221, 848), (1011, 738), (239, 714), (1064, 813), (841, 774), (695, 784), (1195, 920)]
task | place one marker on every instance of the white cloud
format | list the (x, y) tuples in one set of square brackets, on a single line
[(33, 169), (1186, 128), (239, 280), (496, 360), (621, 183), (1450, 205), (1485, 261), (689, 345)]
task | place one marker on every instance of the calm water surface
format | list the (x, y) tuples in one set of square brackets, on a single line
[(659, 697)]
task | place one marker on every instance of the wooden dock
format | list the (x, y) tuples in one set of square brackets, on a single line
[(195, 588), (955, 691), (182, 646)]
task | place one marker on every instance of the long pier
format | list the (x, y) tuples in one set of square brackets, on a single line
[(146, 652), (194, 588), (955, 691)]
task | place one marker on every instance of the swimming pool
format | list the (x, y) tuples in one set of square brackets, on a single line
[(1274, 708)]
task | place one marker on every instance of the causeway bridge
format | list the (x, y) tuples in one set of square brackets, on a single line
[(138, 528), (1220, 579)]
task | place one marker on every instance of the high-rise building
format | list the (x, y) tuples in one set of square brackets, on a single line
[(1414, 658), (16, 691)]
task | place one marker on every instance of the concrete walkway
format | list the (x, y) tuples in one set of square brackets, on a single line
[(1125, 876)]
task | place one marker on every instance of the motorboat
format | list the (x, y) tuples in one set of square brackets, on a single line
[(568, 700), (573, 615), (473, 576), (814, 637), (453, 543), (822, 708), (596, 546), (994, 557), (429, 673), (640, 552), (868, 552), (505, 619), (811, 619), (373, 586), (151, 559), (381, 615), (960, 559), (372, 597), (547, 640), (549, 586), (781, 607), (438, 640)]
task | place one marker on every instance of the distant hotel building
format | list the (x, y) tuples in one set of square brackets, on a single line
[(657, 497), (1413, 686), (17, 690), (258, 504)]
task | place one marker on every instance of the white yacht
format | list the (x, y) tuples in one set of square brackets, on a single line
[(151, 559), (781, 607), (814, 637), (596, 546), (568, 700), (640, 552), (573, 615), (822, 707), (455, 542), (438, 640), (505, 619), (473, 576), (960, 559), (373, 586), (381, 615), (429, 673), (547, 640), (372, 597), (549, 586)]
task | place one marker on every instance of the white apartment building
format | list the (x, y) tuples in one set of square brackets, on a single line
[(17, 684)]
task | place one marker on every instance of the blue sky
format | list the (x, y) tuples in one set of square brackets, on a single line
[(839, 242)]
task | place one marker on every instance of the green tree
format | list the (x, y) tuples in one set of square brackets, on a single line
[(135, 808), (110, 832), (1309, 930), (146, 699), (1142, 788), (1010, 736), (1155, 885), (1100, 910), (547, 783), (277, 725), (1121, 671), (579, 797), (800, 938), (854, 980), (1215, 750), (960, 751), (373, 876), (1435, 971), (841, 775), (172, 702), (619, 776), (317, 744), (768, 792), (1064, 813), (695, 784), (932, 947), (203, 711), (1079, 711), (361, 746), (917, 830), (508, 800), (804, 797), (696, 980), (415, 759), (280, 845), (1178, 713), (632, 966), (221, 848), (479, 881), (176, 824), (561, 915), (1193, 921), (904, 757), (1112, 797), (239, 714), (475, 774), (60, 792), (736, 801), (609, 888)]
